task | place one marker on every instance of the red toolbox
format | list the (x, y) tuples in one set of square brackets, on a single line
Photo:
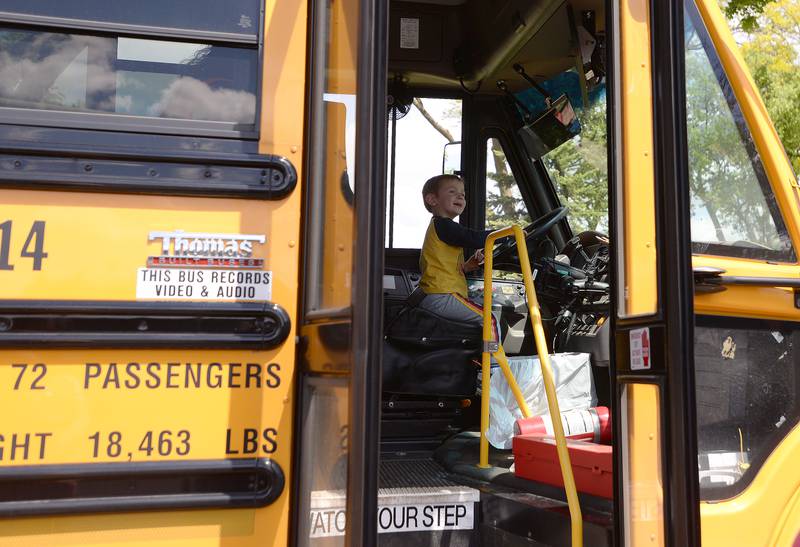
[(536, 459)]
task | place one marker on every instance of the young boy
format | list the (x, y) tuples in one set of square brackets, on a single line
[(442, 259)]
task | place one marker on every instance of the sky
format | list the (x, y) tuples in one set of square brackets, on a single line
[(419, 157)]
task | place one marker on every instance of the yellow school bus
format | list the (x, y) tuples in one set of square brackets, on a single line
[(211, 222)]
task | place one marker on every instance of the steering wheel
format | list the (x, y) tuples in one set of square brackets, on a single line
[(537, 229)]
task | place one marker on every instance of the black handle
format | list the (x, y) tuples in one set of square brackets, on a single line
[(501, 85), (521, 71)]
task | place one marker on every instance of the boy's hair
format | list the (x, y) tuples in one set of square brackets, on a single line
[(432, 185)]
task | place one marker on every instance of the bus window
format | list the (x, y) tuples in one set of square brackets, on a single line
[(747, 386), (504, 203), (579, 170), (734, 211), (429, 124), (129, 76)]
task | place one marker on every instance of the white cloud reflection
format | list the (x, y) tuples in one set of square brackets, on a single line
[(192, 99)]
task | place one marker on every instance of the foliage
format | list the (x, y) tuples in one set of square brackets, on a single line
[(579, 170), (727, 201), (771, 52), (504, 204), (747, 12)]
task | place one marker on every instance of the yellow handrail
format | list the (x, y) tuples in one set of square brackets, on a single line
[(496, 349)]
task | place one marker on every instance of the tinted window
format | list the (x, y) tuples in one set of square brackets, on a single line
[(579, 170), (235, 16), (504, 203), (152, 78), (747, 397), (734, 211)]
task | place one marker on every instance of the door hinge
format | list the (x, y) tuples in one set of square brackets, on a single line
[(708, 279)]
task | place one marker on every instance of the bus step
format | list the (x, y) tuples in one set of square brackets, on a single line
[(418, 505)]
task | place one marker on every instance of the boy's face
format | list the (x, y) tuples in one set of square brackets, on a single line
[(449, 201)]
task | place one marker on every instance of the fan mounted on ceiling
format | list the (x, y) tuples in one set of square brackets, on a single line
[(398, 99)]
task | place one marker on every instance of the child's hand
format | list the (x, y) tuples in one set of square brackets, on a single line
[(474, 262)]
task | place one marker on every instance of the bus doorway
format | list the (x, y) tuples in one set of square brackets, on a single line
[(614, 277), (432, 379)]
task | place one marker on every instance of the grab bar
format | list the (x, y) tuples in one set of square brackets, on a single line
[(495, 348)]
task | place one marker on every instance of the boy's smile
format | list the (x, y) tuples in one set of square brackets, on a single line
[(449, 201)]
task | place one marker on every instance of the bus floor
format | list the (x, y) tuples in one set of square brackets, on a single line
[(432, 493)]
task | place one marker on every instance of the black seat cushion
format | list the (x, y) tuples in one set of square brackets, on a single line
[(423, 329), (443, 372), (426, 354)]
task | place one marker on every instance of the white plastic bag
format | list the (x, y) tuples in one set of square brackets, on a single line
[(572, 374)]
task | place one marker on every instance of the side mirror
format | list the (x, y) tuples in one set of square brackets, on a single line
[(451, 158)]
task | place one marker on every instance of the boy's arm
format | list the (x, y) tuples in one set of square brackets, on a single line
[(452, 233)]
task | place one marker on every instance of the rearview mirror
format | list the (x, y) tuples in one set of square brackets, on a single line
[(551, 129), (451, 158)]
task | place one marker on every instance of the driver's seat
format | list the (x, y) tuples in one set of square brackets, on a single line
[(425, 354)]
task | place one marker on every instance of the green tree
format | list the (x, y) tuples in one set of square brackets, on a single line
[(504, 204), (724, 186), (579, 170), (746, 12), (771, 52)]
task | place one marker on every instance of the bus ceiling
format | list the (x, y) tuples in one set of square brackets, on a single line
[(450, 44)]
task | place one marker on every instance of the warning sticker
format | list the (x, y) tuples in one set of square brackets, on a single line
[(640, 349), (196, 284), (409, 33), (399, 518)]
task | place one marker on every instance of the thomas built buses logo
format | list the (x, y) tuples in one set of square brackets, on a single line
[(181, 249)]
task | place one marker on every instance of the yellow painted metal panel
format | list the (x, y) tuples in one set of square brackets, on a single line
[(644, 491), (641, 282), (741, 301), (95, 244), (788, 530), (133, 392), (766, 511), (283, 87)]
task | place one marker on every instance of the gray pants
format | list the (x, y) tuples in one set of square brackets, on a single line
[(455, 307)]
